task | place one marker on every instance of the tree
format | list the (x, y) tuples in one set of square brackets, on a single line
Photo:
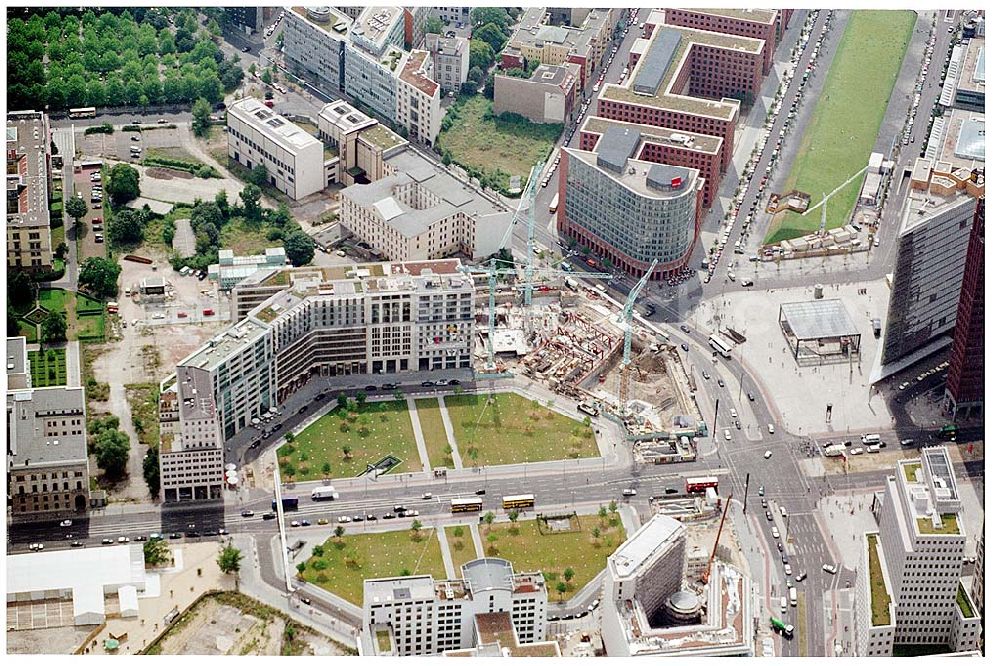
[(480, 16), (318, 551), (415, 525), (561, 587), (21, 288), (433, 24), (327, 467), (266, 77), (339, 531), (222, 201), (13, 328), (54, 327), (475, 74), (301, 567), (492, 35), (489, 517), (201, 119), (514, 515), (612, 506), (61, 250), (229, 560), (346, 448), (155, 552), (602, 512), (151, 470), (123, 184), (596, 532), (76, 208), (361, 397), (112, 452), (568, 574), (488, 87), (481, 54), (250, 196), (258, 175), (125, 228), (300, 248), (100, 275)]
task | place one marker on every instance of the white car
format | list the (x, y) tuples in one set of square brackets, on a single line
[(830, 568), (781, 510), (66, 523), (857, 451), (729, 435), (788, 569), (344, 519), (767, 454), (295, 523), (775, 533), (123, 539), (770, 428)]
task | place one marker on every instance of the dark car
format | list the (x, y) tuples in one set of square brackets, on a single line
[(139, 538), (685, 328), (371, 516), (319, 397), (670, 491), (481, 491), (305, 523), (371, 387), (307, 601), (76, 544), (192, 534), (781, 547), (784, 558), (425, 384), (358, 519), (303, 409), (175, 535), (684, 346), (399, 508), (269, 516), (389, 386), (453, 382), (722, 384), (388, 516), (245, 49), (750, 397), (247, 513)]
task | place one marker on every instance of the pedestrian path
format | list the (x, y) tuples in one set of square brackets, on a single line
[(73, 377), (450, 433), (449, 566), (480, 552), (418, 434)]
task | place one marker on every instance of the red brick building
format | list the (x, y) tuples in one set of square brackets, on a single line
[(966, 386), (762, 24)]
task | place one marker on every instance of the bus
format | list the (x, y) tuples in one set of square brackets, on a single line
[(287, 504), (699, 484), (949, 432), (720, 345), (469, 504), (83, 112), (518, 501), (554, 206)]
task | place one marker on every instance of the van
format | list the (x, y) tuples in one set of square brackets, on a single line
[(784, 605), (793, 596), (565, 266), (874, 448), (871, 439)]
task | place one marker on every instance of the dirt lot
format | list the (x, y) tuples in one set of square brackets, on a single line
[(60, 640), (216, 628)]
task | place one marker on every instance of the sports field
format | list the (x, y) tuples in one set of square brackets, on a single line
[(846, 120)]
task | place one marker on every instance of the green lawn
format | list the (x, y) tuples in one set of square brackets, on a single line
[(512, 429), (843, 127), (435, 438), (28, 330), (85, 303), (496, 149), (381, 428), (462, 547), (347, 562), (530, 550), (879, 594), (48, 367), (244, 239), (89, 327), (53, 300), (949, 525)]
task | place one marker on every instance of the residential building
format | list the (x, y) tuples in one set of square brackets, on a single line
[(970, 88), (689, 80), (320, 321), (191, 457), (316, 40), (359, 143), (29, 157), (294, 160), (662, 145), (910, 590), (416, 615), (451, 60), (414, 21), (930, 261), (373, 80), (249, 20), (627, 210), (966, 387), (547, 96), (232, 269), (648, 608), (48, 471), (763, 24), (418, 99), (82, 578), (422, 211), (452, 15)]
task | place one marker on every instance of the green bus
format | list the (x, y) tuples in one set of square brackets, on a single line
[(949, 432)]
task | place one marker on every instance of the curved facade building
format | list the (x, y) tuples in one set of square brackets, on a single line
[(628, 210)]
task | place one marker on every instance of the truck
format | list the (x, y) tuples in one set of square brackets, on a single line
[(785, 629), (834, 450), (324, 493), (572, 284)]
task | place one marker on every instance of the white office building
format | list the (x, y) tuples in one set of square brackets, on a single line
[(416, 615), (451, 60), (915, 596), (293, 158), (418, 100), (316, 40)]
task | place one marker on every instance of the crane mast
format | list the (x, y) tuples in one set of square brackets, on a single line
[(626, 318)]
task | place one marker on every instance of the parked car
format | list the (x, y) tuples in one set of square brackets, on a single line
[(247, 513), (830, 568)]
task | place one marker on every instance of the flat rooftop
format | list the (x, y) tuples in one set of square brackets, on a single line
[(28, 175), (272, 125), (398, 590), (702, 143), (922, 208), (767, 16), (415, 72), (375, 24), (345, 117), (649, 540), (234, 339), (498, 628), (973, 74), (534, 32), (17, 355), (327, 19), (381, 136), (647, 179), (818, 319), (30, 445)]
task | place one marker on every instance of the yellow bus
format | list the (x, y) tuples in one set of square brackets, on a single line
[(470, 504), (518, 501)]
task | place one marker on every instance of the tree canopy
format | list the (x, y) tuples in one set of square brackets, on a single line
[(76, 208), (201, 119), (229, 559), (100, 275), (54, 327), (111, 447), (299, 248), (481, 54), (123, 184), (492, 34)]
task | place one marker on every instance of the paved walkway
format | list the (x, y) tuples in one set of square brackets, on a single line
[(449, 566), (418, 434), (480, 551), (450, 433), (73, 376)]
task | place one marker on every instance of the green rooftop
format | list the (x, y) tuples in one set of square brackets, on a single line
[(267, 315), (949, 525), (382, 136), (964, 603), (879, 594), (277, 279), (384, 640), (910, 471)]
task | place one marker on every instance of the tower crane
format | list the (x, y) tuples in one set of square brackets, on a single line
[(526, 211), (626, 318), (708, 567)]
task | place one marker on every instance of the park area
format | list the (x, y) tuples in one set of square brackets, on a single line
[(85, 318), (845, 123), (48, 367), (491, 149), (342, 564), (351, 436), (548, 544), (435, 437), (505, 428)]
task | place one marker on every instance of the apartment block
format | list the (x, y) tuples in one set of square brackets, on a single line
[(373, 80), (422, 211), (360, 142), (628, 210), (662, 145), (316, 40), (191, 457), (548, 96), (418, 101), (451, 60), (689, 80), (294, 160), (452, 15), (912, 593), (416, 615), (965, 390), (29, 181), (48, 474), (376, 30), (937, 219), (763, 24)]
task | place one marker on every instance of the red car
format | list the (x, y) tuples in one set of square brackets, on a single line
[(269, 103), (98, 220), (592, 263), (208, 312), (182, 315)]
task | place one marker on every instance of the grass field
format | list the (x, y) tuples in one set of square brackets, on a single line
[(512, 429), (461, 545), (530, 550), (435, 438), (89, 327), (53, 300), (245, 239), (495, 148), (842, 130), (84, 303), (348, 561), (48, 367), (375, 430), (28, 330)]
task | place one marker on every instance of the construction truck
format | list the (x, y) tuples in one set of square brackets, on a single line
[(785, 629)]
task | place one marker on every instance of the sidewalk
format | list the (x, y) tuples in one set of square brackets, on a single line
[(418, 433)]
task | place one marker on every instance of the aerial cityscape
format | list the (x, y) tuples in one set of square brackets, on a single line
[(495, 331)]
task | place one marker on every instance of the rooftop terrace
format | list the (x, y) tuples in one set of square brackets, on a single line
[(755, 15), (949, 525), (879, 593), (336, 23)]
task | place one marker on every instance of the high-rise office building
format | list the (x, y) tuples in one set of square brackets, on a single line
[(966, 387)]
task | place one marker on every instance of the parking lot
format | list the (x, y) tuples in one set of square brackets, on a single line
[(91, 237)]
